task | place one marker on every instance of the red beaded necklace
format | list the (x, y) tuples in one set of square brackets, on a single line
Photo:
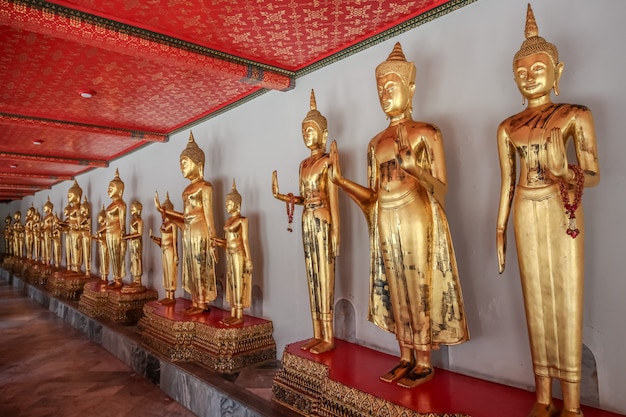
[(570, 208), (291, 206)]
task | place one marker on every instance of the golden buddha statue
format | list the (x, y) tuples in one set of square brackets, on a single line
[(116, 230), (238, 260), (74, 245), (63, 232), (135, 243), (548, 219), (85, 230), (415, 289), (8, 239), (47, 224), (36, 230), (28, 232), (168, 242), (198, 227), (18, 234), (55, 239), (320, 227), (103, 252)]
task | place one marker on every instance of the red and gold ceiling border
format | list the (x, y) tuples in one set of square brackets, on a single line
[(54, 20), (418, 20)]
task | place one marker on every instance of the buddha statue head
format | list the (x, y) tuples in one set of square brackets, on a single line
[(116, 186), (314, 126), (233, 199), (74, 194), (192, 153), (536, 53), (395, 78), (48, 206)]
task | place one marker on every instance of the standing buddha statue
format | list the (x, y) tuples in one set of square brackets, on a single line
[(198, 228), (548, 217), (415, 288), (320, 227)]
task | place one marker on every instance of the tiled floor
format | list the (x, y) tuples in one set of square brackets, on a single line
[(47, 368)]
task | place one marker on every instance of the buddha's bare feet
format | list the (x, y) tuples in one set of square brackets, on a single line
[(322, 347), (167, 301), (400, 370), (567, 413), (419, 375), (193, 311), (231, 321), (310, 343), (545, 410), (115, 284)]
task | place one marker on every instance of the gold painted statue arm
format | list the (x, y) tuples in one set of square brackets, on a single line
[(364, 197), (219, 241), (435, 180), (506, 153), (175, 243), (581, 127), (246, 245), (333, 196), (284, 197), (155, 239), (207, 207), (175, 216), (139, 233)]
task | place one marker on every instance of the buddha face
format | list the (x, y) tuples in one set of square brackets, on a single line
[(394, 96), (535, 75), (135, 210), (72, 198), (115, 189), (313, 136), (188, 168), (231, 206)]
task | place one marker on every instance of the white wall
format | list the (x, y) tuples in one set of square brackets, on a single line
[(465, 86)]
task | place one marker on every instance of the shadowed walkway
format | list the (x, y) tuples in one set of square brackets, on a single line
[(47, 368)]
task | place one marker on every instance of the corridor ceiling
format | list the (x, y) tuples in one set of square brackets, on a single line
[(83, 82)]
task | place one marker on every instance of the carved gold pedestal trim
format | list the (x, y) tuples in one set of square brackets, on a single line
[(74, 285), (98, 300), (202, 338), (67, 284), (93, 299), (324, 386), (56, 283)]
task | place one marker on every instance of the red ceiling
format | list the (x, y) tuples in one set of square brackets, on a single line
[(155, 66)]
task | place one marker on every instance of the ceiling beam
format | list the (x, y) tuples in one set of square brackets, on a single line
[(55, 159), (36, 176), (15, 120)]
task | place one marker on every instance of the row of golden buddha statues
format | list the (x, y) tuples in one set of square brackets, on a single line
[(414, 281)]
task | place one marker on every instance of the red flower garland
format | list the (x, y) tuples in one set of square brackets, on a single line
[(570, 208)]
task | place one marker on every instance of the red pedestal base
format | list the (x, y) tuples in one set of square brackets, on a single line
[(345, 382)]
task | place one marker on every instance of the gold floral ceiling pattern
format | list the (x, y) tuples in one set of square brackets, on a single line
[(153, 67)]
